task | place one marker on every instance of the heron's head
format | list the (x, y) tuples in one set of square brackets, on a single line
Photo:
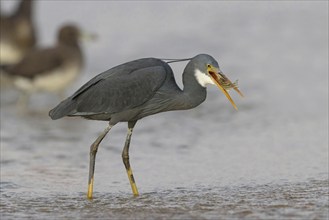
[(207, 72)]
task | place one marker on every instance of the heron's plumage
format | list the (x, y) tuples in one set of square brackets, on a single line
[(119, 89), (118, 94), (135, 90), (202, 78)]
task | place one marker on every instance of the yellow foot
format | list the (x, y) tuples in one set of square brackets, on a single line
[(90, 189), (132, 182)]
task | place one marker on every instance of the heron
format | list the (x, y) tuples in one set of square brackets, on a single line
[(136, 89), (18, 33)]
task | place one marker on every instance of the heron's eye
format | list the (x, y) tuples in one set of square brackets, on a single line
[(209, 66)]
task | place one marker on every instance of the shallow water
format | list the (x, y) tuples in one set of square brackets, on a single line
[(307, 200), (269, 160), (44, 173)]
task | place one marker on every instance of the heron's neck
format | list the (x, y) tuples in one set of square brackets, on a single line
[(193, 92)]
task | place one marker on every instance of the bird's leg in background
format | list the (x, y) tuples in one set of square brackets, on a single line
[(125, 158), (93, 151), (22, 101)]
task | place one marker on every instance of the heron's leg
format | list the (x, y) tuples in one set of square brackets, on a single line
[(93, 151), (125, 158)]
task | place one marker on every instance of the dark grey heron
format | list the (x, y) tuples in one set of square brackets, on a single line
[(133, 90), (17, 33)]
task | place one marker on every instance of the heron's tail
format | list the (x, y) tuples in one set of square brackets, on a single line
[(64, 108)]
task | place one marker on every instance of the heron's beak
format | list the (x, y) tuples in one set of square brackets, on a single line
[(223, 83)]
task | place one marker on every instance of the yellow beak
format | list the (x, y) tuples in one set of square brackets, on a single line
[(220, 79)]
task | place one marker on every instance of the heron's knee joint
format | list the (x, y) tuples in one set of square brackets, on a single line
[(125, 157), (126, 162), (93, 149)]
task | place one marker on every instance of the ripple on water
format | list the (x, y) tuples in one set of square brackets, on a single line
[(290, 200)]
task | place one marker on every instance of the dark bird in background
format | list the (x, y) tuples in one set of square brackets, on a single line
[(49, 69), (134, 90), (17, 33)]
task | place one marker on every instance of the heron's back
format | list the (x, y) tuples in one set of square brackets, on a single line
[(121, 89)]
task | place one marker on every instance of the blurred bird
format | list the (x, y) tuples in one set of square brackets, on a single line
[(134, 90), (17, 33), (49, 69)]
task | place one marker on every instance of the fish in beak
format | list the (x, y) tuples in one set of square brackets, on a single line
[(223, 83)]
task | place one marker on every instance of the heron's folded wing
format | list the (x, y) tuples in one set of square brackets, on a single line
[(119, 92), (119, 71)]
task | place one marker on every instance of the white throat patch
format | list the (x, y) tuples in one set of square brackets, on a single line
[(202, 78)]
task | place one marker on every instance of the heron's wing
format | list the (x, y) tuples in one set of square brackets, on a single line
[(36, 62), (119, 71), (115, 92)]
